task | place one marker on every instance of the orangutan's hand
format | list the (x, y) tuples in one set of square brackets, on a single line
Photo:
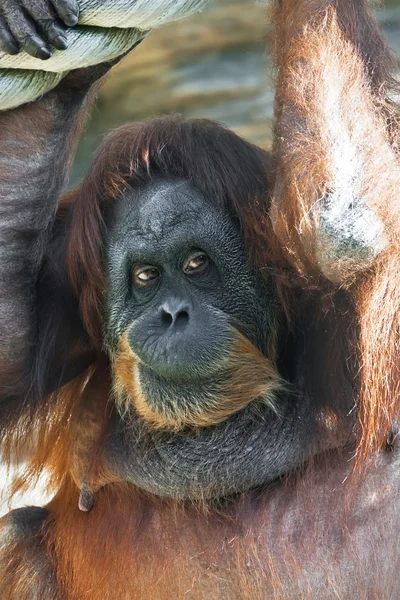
[(36, 25)]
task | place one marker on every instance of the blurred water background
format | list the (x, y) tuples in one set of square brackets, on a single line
[(212, 65)]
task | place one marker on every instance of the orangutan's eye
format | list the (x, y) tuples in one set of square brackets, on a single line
[(196, 262), (145, 275)]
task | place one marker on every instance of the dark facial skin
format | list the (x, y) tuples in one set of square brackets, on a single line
[(178, 280)]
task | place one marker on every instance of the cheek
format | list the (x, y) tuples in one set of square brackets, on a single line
[(119, 312), (125, 374), (250, 302), (117, 306)]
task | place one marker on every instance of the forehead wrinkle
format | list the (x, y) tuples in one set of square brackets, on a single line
[(150, 217), (164, 212)]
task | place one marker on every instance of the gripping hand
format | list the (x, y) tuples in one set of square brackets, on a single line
[(36, 26)]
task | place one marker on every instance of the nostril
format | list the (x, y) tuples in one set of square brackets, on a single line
[(171, 318), (182, 318), (166, 318)]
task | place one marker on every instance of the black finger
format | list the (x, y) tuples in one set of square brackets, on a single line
[(54, 33), (36, 46), (24, 31), (68, 11), (7, 41), (46, 20)]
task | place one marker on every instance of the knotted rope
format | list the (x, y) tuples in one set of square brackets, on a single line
[(107, 29)]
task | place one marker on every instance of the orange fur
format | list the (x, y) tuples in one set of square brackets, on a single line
[(332, 88), (286, 544), (305, 536), (248, 375)]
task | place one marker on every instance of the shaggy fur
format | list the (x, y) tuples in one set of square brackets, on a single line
[(337, 134), (311, 534)]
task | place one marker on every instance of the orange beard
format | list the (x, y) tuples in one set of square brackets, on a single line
[(249, 376)]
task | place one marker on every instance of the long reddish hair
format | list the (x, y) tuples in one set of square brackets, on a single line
[(239, 176), (335, 50), (226, 168)]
